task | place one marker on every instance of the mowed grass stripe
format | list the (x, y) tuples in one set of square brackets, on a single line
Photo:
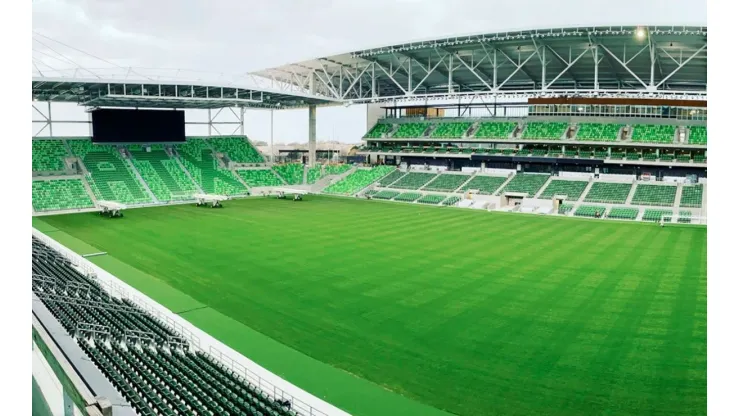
[(471, 312)]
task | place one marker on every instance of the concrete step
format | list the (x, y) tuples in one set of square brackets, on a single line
[(632, 193)]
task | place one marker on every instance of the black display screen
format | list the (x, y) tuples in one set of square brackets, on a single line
[(138, 126)]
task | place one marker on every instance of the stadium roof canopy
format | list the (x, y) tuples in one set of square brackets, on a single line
[(617, 61), (150, 88)]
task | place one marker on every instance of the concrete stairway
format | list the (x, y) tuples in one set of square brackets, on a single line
[(329, 179), (586, 191), (537, 195), (677, 201), (140, 178), (176, 157), (632, 193), (503, 185)]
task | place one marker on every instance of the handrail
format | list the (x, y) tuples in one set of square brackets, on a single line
[(114, 289)]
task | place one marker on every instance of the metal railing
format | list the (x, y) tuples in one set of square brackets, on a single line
[(116, 290)]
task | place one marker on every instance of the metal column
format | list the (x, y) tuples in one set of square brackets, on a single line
[(272, 148), (311, 135)]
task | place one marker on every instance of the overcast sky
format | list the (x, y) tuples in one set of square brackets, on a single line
[(236, 36)]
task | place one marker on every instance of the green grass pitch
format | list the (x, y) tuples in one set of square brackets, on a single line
[(469, 312)]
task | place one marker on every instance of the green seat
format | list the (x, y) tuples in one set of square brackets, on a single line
[(607, 192), (590, 211), (526, 183), (544, 130), (59, 194), (410, 130), (653, 133), (431, 199), (110, 177), (450, 130), (623, 213), (163, 175), (691, 196), (598, 132), (655, 215), (48, 155), (446, 182), (236, 148), (413, 180), (378, 130), (359, 179), (495, 130), (698, 135), (197, 157), (571, 189), (292, 173), (407, 197), (657, 195), (452, 200), (486, 185), (259, 177)]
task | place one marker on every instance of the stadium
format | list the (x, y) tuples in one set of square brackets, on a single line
[(521, 232)]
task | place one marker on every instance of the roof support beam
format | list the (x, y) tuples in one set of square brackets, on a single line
[(681, 65), (474, 72), (624, 64), (568, 64), (390, 77), (567, 69), (518, 67)]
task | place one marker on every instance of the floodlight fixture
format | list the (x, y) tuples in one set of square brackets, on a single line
[(640, 33)]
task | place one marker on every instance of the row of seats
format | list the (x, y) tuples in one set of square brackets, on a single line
[(408, 197), (197, 157), (336, 169), (526, 183), (691, 196), (485, 185), (571, 189), (259, 177), (48, 155), (292, 173), (431, 199), (653, 133), (598, 132), (450, 130), (413, 180), (660, 195), (655, 215), (237, 148), (150, 365), (59, 194), (698, 135), (110, 176), (608, 192), (446, 183), (394, 176), (378, 130), (162, 174), (495, 130), (589, 211), (410, 130), (385, 194), (623, 213), (360, 178), (603, 132), (552, 152), (451, 200), (544, 130)]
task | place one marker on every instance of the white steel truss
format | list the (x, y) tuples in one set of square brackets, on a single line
[(660, 62)]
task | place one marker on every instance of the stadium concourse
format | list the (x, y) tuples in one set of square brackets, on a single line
[(493, 247)]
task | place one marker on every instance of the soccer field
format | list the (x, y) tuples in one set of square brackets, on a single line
[(470, 312)]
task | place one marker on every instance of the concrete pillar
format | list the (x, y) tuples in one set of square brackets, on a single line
[(311, 135)]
